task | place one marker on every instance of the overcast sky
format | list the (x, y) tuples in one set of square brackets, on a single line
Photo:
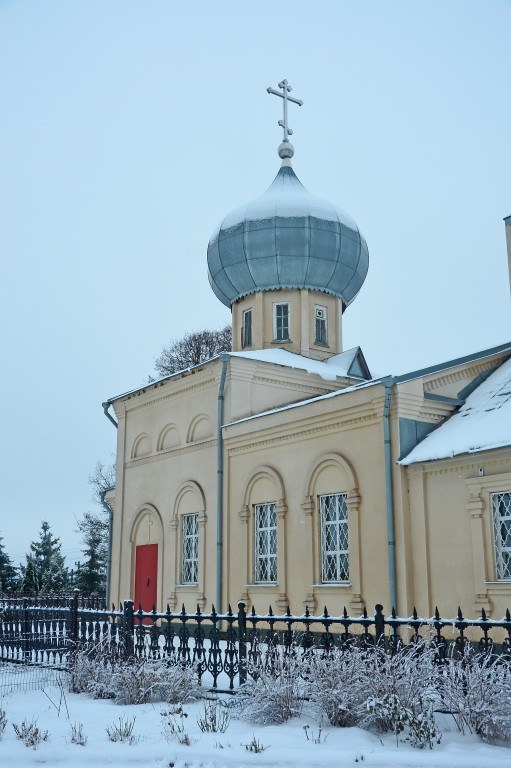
[(129, 129)]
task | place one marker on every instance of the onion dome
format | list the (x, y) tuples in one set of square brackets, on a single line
[(287, 238)]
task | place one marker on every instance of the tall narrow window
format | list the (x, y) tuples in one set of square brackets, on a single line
[(281, 322), (265, 542), (334, 537), (501, 503), (246, 331), (320, 327), (190, 548)]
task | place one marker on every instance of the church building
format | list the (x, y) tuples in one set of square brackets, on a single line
[(283, 473)]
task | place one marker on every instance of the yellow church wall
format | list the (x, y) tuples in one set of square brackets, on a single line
[(166, 440), (452, 534), (295, 460)]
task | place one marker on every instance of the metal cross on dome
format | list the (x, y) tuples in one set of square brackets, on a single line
[(286, 88)]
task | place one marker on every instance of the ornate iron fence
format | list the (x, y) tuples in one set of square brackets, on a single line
[(221, 647)]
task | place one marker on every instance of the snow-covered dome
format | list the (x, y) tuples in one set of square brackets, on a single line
[(287, 238)]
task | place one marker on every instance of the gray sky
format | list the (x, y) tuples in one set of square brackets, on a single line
[(129, 129)]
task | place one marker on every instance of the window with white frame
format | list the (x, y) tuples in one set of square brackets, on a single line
[(501, 505), (320, 326), (334, 537), (281, 322), (189, 548), (246, 330), (265, 537)]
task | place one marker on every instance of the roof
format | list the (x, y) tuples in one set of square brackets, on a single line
[(350, 363), (482, 423), (287, 238)]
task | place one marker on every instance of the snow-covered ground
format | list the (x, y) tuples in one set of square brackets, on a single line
[(57, 710)]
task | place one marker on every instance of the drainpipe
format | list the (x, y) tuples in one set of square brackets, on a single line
[(108, 509), (220, 483), (388, 383), (106, 406)]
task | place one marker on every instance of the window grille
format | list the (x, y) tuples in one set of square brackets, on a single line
[(266, 542), (501, 504), (334, 537), (320, 332), (190, 549), (281, 322), (246, 332)]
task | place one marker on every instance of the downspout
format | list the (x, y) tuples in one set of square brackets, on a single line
[(109, 416), (388, 383), (224, 357), (109, 511)]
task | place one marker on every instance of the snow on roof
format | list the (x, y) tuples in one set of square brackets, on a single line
[(330, 369), (482, 423)]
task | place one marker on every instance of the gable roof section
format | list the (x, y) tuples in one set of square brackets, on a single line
[(350, 364), (482, 423)]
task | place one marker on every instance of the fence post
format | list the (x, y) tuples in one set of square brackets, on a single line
[(379, 622), (128, 627), (242, 642), (73, 623), (26, 632)]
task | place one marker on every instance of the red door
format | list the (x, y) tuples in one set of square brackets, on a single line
[(146, 571)]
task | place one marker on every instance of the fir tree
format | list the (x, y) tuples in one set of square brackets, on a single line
[(91, 573), (8, 573), (45, 570), (31, 583)]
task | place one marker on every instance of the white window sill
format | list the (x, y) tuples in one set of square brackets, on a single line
[(193, 585), (333, 584), (262, 584)]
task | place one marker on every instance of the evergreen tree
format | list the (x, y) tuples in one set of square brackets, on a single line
[(91, 573), (45, 570), (8, 574), (31, 583)]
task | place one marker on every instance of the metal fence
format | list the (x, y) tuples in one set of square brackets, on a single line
[(221, 646)]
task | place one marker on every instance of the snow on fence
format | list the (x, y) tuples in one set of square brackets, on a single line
[(221, 647)]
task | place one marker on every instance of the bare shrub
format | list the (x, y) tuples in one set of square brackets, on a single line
[(77, 735), (173, 726), (123, 731), (215, 718), (28, 732), (476, 689), (276, 692), (92, 671), (403, 693), (173, 683), (3, 722), (337, 685)]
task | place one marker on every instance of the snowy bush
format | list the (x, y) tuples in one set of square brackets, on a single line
[(173, 726), (403, 693), (92, 670), (336, 685), (173, 683), (103, 675), (215, 717), (28, 732), (77, 735), (476, 689), (123, 731), (276, 692)]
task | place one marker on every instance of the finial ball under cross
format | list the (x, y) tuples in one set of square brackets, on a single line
[(286, 148)]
